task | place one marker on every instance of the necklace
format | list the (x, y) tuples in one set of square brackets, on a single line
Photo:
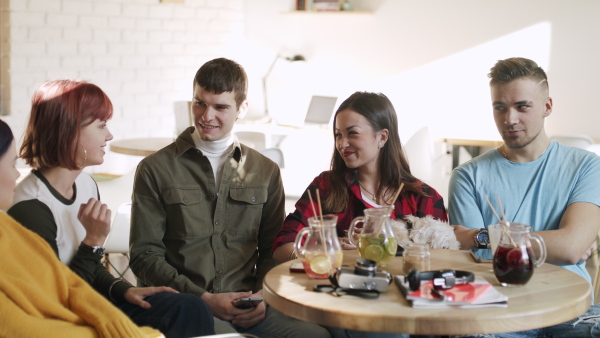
[(503, 152), (365, 189)]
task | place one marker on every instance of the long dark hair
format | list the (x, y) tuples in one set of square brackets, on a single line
[(393, 165), (6, 137)]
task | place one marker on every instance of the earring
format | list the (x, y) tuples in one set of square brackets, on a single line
[(84, 158)]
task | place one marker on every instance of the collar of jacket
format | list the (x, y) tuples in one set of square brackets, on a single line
[(184, 142)]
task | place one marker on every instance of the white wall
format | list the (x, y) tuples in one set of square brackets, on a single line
[(142, 53), (431, 57)]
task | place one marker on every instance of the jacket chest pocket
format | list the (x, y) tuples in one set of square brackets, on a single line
[(246, 209), (185, 209)]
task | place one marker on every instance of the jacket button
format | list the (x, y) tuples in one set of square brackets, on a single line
[(217, 288), (185, 200), (253, 199)]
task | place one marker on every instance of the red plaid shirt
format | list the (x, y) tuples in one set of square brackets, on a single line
[(415, 205)]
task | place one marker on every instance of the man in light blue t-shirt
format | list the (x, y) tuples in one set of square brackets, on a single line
[(551, 187)]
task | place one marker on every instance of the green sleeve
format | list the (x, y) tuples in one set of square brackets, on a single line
[(148, 227), (270, 224)]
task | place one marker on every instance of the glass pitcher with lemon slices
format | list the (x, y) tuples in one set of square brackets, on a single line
[(321, 250), (376, 240)]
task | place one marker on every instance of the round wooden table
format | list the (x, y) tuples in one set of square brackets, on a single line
[(553, 295), (140, 146)]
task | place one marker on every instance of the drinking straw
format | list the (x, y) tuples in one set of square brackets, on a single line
[(492, 207), (501, 209), (320, 208), (501, 222), (397, 193), (312, 204)]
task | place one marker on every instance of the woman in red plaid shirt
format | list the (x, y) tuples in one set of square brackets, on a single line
[(367, 168)]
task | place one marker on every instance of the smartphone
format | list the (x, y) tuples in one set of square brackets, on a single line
[(246, 303), (297, 267), (476, 257)]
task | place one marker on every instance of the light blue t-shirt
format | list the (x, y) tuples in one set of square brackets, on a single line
[(536, 193)]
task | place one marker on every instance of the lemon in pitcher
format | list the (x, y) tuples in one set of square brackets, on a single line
[(380, 249)]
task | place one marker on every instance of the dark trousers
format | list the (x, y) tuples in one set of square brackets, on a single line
[(173, 314)]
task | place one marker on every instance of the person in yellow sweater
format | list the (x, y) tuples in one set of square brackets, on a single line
[(67, 131), (48, 300)]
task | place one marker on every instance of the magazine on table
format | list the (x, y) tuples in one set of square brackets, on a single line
[(479, 293)]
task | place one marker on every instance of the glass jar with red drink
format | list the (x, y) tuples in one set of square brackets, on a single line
[(514, 260)]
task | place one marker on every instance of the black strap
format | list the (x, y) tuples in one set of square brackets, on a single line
[(338, 292)]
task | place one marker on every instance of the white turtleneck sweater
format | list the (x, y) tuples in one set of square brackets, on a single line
[(216, 152)]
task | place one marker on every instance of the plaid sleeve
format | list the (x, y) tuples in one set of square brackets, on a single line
[(298, 220), (421, 206)]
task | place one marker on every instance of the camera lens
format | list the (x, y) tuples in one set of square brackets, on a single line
[(365, 267)]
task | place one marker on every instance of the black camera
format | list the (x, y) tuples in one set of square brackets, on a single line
[(363, 276)]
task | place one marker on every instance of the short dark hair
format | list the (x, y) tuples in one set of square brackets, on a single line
[(58, 111), (223, 75), (513, 68), (6, 137)]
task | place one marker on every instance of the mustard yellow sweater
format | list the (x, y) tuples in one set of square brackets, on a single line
[(42, 297)]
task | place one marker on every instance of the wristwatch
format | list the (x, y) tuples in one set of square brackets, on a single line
[(98, 250), (482, 239)]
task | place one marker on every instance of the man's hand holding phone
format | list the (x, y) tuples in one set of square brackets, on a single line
[(246, 303)]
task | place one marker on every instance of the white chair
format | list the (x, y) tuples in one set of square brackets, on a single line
[(275, 154), (575, 140), (117, 191), (183, 116), (118, 239), (253, 139), (419, 152)]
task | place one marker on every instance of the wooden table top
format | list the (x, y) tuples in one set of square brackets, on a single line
[(553, 295), (140, 146)]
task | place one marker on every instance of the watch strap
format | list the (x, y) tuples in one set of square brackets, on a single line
[(97, 250)]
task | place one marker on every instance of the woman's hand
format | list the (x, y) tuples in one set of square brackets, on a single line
[(95, 218), (136, 296)]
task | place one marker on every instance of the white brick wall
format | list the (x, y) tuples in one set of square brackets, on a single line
[(142, 53)]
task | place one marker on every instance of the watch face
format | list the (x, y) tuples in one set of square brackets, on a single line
[(99, 251), (483, 237)]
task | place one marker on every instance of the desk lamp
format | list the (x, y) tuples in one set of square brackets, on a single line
[(294, 58)]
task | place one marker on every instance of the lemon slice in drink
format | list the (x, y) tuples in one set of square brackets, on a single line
[(374, 252), (320, 265), (391, 247)]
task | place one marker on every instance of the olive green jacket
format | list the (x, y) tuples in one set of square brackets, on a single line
[(186, 235)]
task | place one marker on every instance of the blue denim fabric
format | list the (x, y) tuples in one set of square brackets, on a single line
[(586, 325), (278, 325), (176, 315)]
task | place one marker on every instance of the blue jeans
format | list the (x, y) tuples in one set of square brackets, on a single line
[(174, 314), (586, 325), (276, 325)]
